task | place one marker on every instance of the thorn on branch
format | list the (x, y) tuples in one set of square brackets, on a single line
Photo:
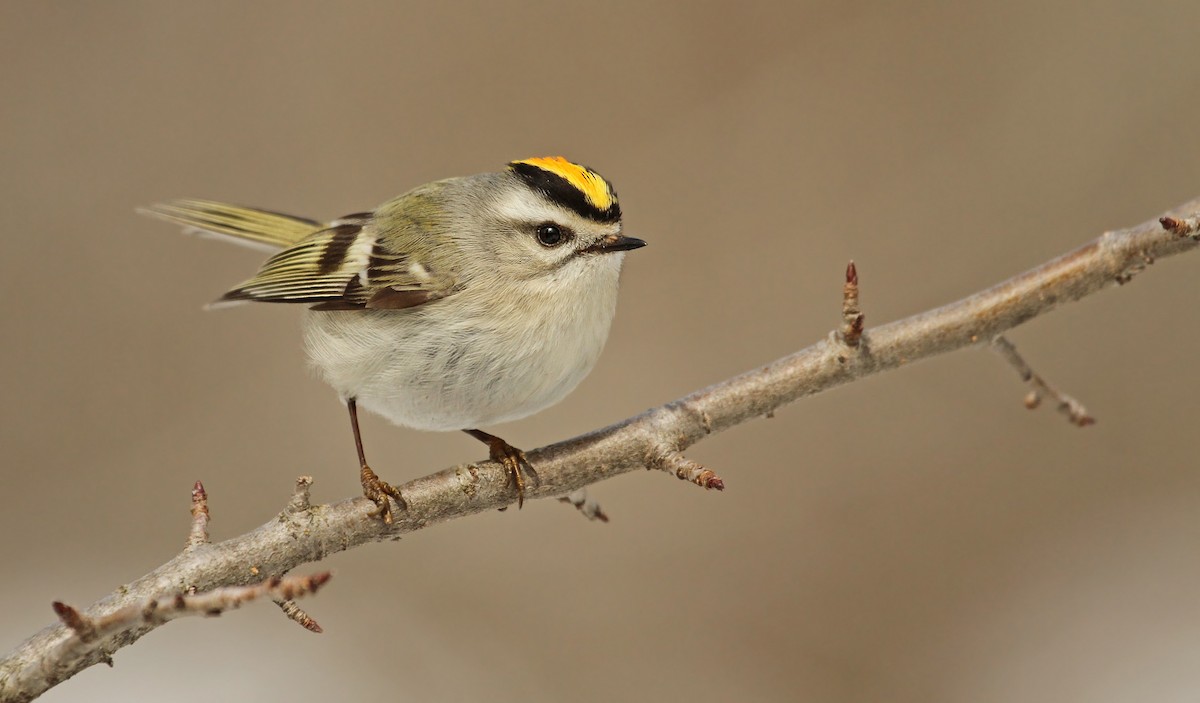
[(199, 533), (295, 613), (588, 507), (687, 470), (79, 623), (852, 316), (301, 498), (1182, 226), (1039, 388)]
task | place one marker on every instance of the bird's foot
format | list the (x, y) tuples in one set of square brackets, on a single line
[(513, 460), (510, 457), (378, 491)]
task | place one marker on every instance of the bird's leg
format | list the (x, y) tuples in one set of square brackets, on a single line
[(375, 489), (512, 458)]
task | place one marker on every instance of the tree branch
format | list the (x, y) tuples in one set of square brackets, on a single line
[(89, 636), (304, 533), (1039, 387)]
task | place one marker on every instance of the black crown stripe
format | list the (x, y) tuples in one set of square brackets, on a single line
[(559, 190)]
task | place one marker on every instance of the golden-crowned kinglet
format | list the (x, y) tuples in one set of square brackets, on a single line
[(462, 303)]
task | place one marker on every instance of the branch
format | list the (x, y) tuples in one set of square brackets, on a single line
[(90, 631), (304, 533), (1038, 387), (90, 637)]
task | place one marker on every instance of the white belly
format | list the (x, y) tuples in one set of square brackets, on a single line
[(453, 364)]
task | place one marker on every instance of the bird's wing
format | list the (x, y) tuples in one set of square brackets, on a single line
[(343, 267)]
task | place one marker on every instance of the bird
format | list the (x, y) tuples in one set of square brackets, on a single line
[(463, 303)]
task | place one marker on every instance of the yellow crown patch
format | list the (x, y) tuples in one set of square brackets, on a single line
[(590, 184)]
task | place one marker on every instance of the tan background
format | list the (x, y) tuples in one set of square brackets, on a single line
[(915, 537)]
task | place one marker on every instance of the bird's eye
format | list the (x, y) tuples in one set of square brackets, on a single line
[(551, 235)]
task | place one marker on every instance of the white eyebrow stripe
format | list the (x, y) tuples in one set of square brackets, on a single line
[(520, 208)]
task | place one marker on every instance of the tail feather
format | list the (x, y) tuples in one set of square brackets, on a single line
[(245, 225)]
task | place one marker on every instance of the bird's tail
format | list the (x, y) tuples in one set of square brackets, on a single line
[(260, 229)]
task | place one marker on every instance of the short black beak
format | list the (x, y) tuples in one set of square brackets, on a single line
[(616, 242)]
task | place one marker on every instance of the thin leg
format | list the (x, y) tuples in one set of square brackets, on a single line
[(352, 405), (512, 458), (375, 489)]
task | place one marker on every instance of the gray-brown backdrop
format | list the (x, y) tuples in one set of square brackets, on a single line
[(916, 537)]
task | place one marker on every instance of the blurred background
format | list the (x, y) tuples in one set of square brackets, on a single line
[(918, 536)]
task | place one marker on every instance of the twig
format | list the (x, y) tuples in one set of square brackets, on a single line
[(1073, 409), (199, 533), (852, 316), (1039, 387), (300, 502), (685, 469), (156, 611), (88, 636), (588, 507), (294, 538), (295, 613)]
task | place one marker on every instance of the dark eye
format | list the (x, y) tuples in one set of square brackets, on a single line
[(551, 235)]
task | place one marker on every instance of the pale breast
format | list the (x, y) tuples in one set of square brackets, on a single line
[(465, 361)]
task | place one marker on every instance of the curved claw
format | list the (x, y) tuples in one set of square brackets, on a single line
[(513, 460), (510, 457), (378, 492)]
